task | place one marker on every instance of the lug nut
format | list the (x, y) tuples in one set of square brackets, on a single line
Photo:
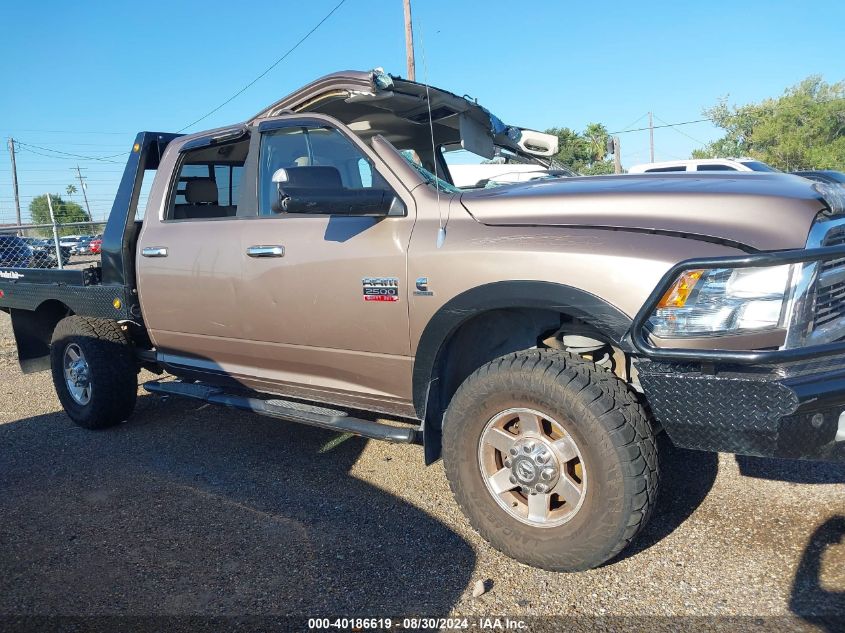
[(543, 457), (512, 479), (528, 447), (508, 463), (547, 473), (541, 488), (513, 450)]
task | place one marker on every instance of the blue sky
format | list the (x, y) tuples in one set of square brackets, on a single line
[(83, 77)]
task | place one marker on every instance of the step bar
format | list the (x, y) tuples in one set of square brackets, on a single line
[(290, 411)]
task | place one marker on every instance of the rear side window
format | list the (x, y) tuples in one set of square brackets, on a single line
[(208, 183), (715, 168), (655, 170)]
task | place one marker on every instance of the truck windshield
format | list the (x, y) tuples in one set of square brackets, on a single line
[(471, 171), (429, 178), (756, 165)]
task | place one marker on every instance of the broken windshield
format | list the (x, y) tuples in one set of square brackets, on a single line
[(430, 178), (468, 170)]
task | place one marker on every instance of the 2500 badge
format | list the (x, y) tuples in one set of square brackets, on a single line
[(381, 288)]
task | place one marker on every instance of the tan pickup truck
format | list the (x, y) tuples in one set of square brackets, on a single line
[(316, 264)]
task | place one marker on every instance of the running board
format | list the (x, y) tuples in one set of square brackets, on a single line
[(287, 410)]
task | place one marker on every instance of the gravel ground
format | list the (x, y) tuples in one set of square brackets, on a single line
[(191, 509)]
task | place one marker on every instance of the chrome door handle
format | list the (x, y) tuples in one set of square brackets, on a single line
[(154, 251), (266, 251)]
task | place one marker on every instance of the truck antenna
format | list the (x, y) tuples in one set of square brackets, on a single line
[(441, 230)]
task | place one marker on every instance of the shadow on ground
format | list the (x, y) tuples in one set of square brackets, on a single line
[(791, 470), (226, 513), (810, 599), (686, 478)]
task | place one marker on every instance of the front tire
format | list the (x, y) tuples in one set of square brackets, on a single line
[(94, 371), (553, 461)]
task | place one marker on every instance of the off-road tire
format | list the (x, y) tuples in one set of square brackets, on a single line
[(113, 371), (611, 430)]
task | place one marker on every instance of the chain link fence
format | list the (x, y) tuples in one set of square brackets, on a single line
[(76, 244)]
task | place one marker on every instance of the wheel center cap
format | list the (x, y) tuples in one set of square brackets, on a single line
[(533, 465), (79, 373), (525, 471)]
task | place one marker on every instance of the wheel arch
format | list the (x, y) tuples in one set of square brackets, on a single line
[(493, 320)]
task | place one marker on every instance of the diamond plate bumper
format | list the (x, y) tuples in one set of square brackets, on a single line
[(790, 411)]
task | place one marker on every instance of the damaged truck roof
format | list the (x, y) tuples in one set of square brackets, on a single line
[(400, 110)]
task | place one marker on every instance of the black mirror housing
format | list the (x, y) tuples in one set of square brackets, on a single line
[(338, 201)]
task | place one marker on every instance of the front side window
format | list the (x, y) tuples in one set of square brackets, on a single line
[(320, 159)]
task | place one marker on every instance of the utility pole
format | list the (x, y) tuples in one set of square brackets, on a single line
[(84, 194), (15, 181), (617, 156), (651, 136), (409, 40)]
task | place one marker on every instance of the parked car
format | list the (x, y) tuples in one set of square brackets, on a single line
[(69, 240), (537, 336), (44, 252), (14, 252), (82, 246), (95, 245), (829, 176), (704, 164)]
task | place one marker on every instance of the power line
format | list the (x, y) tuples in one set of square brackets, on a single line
[(62, 170), (86, 132), (632, 123), (641, 129), (692, 138), (269, 68), (104, 159)]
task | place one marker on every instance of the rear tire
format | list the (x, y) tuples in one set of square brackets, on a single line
[(94, 371), (577, 479)]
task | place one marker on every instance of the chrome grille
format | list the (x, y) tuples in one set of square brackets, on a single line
[(830, 287)]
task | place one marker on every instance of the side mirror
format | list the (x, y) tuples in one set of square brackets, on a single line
[(335, 201), (351, 202)]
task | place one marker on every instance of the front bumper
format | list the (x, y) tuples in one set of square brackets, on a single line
[(793, 411), (784, 402)]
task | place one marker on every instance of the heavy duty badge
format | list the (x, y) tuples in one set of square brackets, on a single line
[(381, 288), (422, 287)]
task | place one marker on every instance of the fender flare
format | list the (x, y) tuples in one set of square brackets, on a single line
[(585, 306)]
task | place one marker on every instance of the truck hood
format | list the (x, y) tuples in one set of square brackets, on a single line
[(761, 211)]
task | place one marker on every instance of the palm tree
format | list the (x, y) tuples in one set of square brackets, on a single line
[(71, 189)]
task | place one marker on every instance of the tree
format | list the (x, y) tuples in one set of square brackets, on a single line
[(64, 212), (802, 129), (584, 152), (71, 189)]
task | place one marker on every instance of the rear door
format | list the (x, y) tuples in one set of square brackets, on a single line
[(189, 254)]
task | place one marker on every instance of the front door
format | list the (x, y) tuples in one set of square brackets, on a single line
[(328, 294)]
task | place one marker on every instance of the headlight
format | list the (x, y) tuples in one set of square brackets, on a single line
[(722, 301)]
